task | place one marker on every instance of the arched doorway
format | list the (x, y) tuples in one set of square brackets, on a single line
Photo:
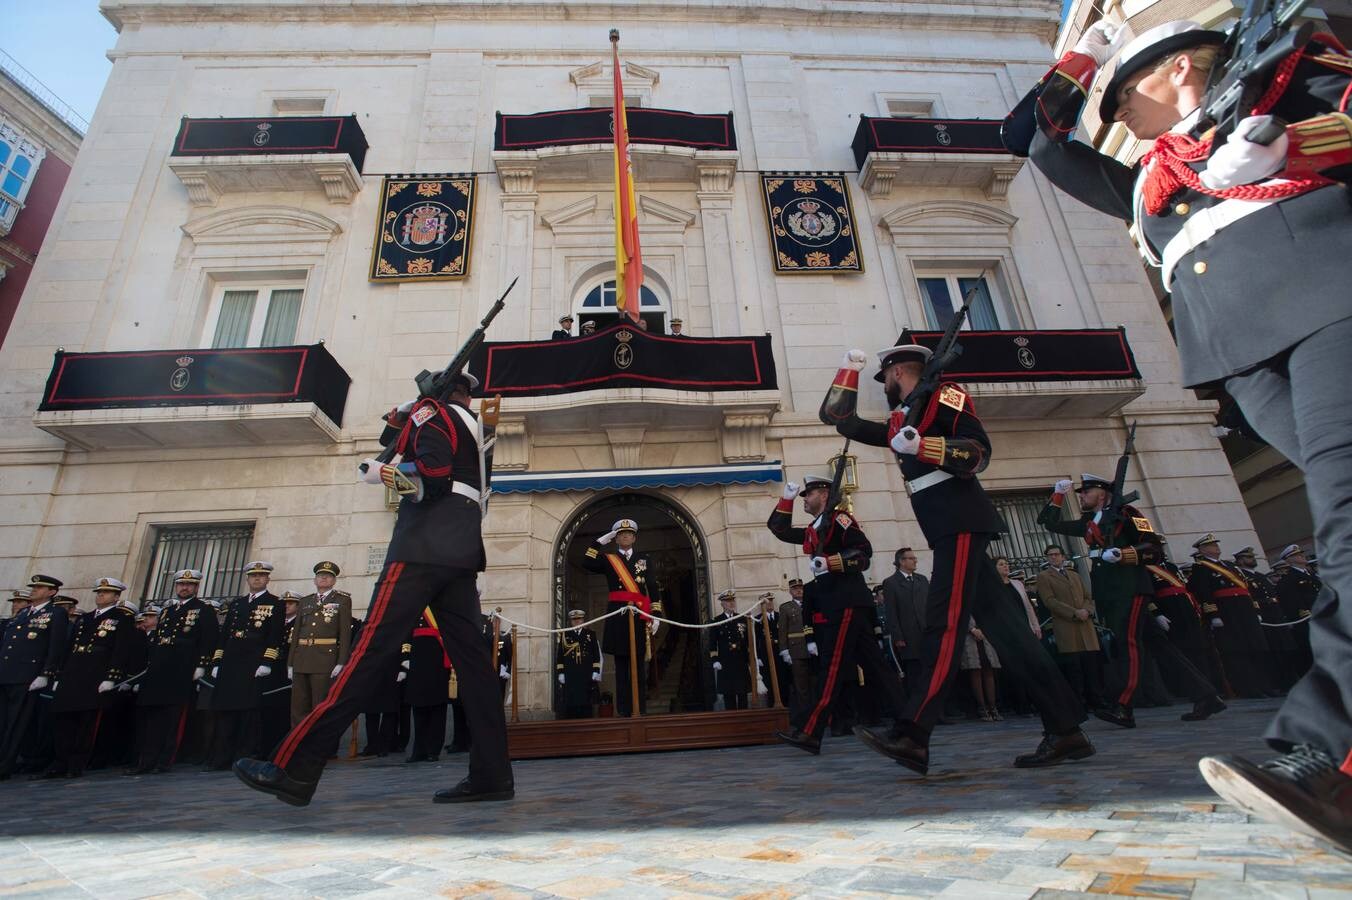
[(672, 540)]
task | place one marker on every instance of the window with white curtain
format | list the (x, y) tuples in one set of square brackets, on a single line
[(20, 157), (942, 295), (253, 315)]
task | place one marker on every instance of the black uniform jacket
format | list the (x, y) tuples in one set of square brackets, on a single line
[(429, 669), (443, 528), (102, 648), (1219, 587), (34, 644), (729, 647), (252, 635), (1175, 603), (847, 552), (954, 441), (1279, 266), (577, 658), (1270, 610), (1297, 591), (184, 639), (624, 579)]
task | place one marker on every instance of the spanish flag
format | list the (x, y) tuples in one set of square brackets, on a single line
[(628, 258)]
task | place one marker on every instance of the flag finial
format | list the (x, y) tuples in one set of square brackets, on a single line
[(614, 35)]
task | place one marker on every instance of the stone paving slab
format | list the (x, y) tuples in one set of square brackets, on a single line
[(754, 822)]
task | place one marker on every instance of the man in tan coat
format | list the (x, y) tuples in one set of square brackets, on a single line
[(320, 639), (794, 643), (1063, 592)]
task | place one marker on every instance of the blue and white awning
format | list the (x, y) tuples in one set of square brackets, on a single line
[(624, 479)]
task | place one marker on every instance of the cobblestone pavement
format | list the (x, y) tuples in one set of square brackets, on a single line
[(769, 822)]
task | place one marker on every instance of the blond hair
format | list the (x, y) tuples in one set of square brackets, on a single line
[(1203, 59)]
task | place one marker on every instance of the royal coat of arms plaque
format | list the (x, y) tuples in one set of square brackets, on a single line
[(811, 222), (424, 228)]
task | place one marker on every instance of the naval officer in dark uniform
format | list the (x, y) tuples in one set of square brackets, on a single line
[(729, 652), (102, 649), (1298, 590), (33, 648), (626, 572), (1247, 232), (578, 661), (249, 649), (940, 459), (432, 562)]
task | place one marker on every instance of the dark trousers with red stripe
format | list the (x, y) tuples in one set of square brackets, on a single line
[(402, 593), (73, 737), (965, 584), (1140, 638), (161, 728), (851, 643)]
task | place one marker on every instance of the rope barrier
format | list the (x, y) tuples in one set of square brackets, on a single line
[(748, 614), (1284, 624)]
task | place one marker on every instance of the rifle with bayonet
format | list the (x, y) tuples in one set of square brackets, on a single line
[(833, 496), (438, 385), (946, 352), (1111, 513)]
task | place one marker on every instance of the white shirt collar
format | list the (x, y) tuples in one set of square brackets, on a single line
[(255, 596), (627, 554), (39, 607)]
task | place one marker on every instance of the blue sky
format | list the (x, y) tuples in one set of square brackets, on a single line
[(64, 43)]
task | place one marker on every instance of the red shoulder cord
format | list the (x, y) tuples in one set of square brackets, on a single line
[(1174, 151)]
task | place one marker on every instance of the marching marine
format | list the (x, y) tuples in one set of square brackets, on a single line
[(320, 641)]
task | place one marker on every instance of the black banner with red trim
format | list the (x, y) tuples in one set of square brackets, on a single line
[(271, 135), (1094, 354), (886, 135), (198, 378), (623, 357), (562, 127)]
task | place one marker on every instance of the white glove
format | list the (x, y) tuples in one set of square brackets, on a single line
[(337, 670), (811, 648), (198, 672), (560, 678), (404, 665), (123, 688), (791, 489), (136, 689), (1216, 623), (215, 671), (906, 441), (291, 673), (1099, 41), (718, 666), (786, 656), (854, 359), (503, 673), (392, 478), (106, 686), (1062, 486), (652, 626), (819, 566), (400, 677), (760, 663), (606, 538), (1112, 556), (38, 683), (1241, 161), (596, 676), (262, 671), (1162, 622)]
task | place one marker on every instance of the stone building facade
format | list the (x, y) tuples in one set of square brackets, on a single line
[(144, 251)]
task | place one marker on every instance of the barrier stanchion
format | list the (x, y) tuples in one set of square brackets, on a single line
[(515, 665), (771, 663), (634, 706)]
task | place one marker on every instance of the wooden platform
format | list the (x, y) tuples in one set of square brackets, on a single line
[(646, 734)]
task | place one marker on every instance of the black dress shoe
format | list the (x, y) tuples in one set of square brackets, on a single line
[(802, 740), (899, 747), (1055, 748), (262, 775), (431, 757), (137, 770), (464, 792), (1303, 790), (1204, 709), (417, 758), (1118, 715)]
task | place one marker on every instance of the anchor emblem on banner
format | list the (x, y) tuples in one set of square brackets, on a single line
[(624, 354)]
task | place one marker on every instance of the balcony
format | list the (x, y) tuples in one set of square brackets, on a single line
[(212, 157), (1085, 373), (577, 145), (194, 398), (956, 153)]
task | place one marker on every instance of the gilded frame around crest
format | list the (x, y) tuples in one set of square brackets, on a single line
[(382, 270), (815, 262)]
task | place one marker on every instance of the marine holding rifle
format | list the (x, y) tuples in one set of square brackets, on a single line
[(1251, 225), (434, 557), (940, 446)]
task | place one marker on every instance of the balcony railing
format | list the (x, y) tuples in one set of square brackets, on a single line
[(933, 152), (592, 125), (192, 398), (277, 153)]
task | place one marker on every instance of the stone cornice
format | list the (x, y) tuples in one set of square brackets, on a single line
[(1038, 16)]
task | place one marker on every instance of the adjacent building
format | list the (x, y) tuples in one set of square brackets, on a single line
[(241, 271)]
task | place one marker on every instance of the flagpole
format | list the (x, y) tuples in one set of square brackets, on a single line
[(628, 258)]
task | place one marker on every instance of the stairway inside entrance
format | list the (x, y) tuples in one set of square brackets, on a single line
[(678, 658)]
